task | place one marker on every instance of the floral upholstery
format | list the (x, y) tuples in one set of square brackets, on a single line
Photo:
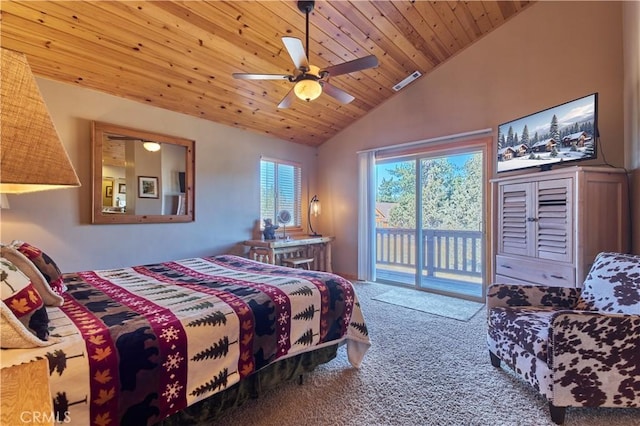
[(576, 347)]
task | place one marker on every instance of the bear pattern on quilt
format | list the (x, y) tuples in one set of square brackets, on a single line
[(135, 323)]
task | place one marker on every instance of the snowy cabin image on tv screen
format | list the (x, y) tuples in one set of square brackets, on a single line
[(562, 133)]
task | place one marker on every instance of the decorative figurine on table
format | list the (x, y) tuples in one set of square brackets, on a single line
[(269, 230)]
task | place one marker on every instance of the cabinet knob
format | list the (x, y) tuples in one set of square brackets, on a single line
[(532, 219)]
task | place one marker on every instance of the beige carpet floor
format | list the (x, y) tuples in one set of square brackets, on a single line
[(422, 369)]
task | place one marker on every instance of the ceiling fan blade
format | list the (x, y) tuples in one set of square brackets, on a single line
[(250, 76), (287, 100), (334, 92), (352, 66), (296, 51)]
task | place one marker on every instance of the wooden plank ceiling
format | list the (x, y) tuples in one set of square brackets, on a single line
[(179, 55)]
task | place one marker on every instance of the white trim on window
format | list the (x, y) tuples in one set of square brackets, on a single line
[(280, 189)]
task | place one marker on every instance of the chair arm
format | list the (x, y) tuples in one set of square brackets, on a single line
[(531, 295), (595, 358)]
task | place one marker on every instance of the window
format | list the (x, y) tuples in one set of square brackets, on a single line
[(280, 189)]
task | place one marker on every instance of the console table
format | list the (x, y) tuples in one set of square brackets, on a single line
[(272, 251)]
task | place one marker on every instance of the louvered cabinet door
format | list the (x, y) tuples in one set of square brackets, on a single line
[(551, 225), (554, 219), (514, 230)]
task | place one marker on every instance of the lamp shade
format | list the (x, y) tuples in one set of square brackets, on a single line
[(314, 209), (307, 89), (33, 157)]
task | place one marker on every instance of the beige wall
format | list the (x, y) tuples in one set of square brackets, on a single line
[(531, 63), (227, 192), (631, 29), (535, 61)]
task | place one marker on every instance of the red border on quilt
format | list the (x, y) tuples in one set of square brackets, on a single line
[(172, 341), (102, 359)]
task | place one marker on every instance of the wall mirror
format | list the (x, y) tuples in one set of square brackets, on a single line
[(140, 176)]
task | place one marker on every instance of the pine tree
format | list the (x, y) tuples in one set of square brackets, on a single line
[(215, 318), (173, 296), (302, 291), (190, 299), (202, 305), (217, 350), (218, 382), (306, 339), (307, 314), (163, 291), (525, 136), (361, 327), (510, 136), (553, 129)]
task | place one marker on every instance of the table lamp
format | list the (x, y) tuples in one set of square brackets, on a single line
[(33, 157), (314, 208)]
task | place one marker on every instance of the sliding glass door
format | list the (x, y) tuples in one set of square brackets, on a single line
[(429, 221), (396, 222)]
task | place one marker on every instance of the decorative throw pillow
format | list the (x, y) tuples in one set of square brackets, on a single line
[(24, 305), (44, 263), (612, 285), (37, 279)]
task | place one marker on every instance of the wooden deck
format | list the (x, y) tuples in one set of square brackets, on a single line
[(447, 286)]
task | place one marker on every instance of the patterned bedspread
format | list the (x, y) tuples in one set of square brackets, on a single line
[(140, 343)]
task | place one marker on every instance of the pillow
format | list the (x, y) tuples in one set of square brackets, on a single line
[(13, 334), (612, 285), (23, 311), (37, 279), (44, 263)]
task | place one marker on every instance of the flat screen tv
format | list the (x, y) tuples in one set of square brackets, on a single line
[(557, 135)]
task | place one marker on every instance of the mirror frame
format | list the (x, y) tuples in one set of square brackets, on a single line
[(98, 129)]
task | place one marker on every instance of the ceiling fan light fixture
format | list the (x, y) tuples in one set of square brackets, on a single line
[(308, 89)]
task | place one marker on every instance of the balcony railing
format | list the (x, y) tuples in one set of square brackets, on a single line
[(444, 252)]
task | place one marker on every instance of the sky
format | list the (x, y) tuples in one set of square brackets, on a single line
[(571, 112), (382, 170)]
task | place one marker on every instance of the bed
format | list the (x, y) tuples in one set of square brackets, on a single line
[(138, 345)]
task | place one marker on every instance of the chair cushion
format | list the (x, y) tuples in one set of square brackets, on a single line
[(525, 325), (612, 285)]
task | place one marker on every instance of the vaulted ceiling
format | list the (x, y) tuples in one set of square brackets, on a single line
[(179, 55)]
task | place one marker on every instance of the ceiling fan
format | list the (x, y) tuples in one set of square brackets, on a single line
[(310, 81)]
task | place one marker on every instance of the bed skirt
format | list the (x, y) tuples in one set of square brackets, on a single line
[(252, 387)]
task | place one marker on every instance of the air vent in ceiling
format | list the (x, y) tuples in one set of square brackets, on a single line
[(414, 75)]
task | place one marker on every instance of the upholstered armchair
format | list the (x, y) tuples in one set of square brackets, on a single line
[(576, 347)]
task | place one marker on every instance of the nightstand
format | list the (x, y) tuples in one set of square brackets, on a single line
[(25, 398)]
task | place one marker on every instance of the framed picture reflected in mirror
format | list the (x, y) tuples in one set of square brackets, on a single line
[(147, 187)]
